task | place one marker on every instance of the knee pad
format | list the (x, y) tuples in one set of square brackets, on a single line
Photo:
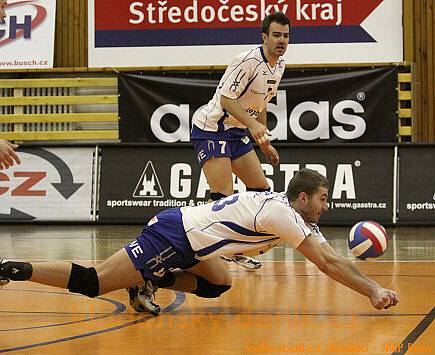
[(206, 289), (214, 196), (258, 190), (166, 281), (84, 280), (15, 270)]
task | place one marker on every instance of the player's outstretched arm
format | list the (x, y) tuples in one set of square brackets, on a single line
[(8, 154), (344, 271), (331, 250)]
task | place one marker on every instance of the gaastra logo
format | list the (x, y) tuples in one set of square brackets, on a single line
[(17, 25), (148, 184)]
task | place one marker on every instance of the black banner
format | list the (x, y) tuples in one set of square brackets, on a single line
[(338, 105), (138, 181), (417, 184)]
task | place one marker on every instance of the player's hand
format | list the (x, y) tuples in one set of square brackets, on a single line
[(270, 152), (259, 132), (384, 299), (8, 154), (394, 299)]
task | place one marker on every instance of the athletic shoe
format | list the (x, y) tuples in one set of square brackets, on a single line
[(245, 261), (3, 280), (142, 297)]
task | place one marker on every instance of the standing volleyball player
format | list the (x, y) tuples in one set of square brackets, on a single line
[(219, 131), (179, 248)]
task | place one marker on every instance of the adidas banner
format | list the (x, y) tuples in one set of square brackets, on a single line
[(336, 105), (138, 181)]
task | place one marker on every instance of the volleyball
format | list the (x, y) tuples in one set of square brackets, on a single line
[(367, 239)]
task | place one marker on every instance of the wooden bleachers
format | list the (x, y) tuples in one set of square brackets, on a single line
[(57, 108), (405, 106)]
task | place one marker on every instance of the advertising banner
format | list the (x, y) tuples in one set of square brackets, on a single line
[(27, 34), (311, 106), (192, 32), (50, 184), (417, 184), (138, 181)]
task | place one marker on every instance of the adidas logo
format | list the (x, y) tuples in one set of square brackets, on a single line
[(15, 271)]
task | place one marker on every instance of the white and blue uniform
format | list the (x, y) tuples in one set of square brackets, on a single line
[(243, 224), (253, 82), (247, 223)]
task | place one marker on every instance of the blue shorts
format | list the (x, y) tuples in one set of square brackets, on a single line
[(219, 146), (162, 246)]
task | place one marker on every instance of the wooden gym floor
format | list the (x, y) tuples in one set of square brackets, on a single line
[(286, 307)]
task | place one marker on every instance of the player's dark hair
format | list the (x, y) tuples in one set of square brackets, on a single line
[(305, 180), (277, 17)]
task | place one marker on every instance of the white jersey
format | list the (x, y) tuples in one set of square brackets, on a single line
[(247, 223), (249, 79), (315, 232)]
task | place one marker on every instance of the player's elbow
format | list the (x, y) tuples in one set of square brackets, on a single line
[(327, 263), (226, 102)]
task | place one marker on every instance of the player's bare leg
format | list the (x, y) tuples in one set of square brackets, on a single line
[(248, 169), (212, 270), (219, 175), (209, 279), (115, 273)]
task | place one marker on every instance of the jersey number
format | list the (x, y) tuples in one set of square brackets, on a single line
[(223, 144), (218, 205)]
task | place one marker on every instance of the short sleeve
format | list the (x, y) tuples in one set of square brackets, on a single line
[(237, 77), (283, 221)]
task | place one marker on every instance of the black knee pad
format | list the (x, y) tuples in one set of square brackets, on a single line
[(16, 270), (206, 289), (258, 190), (214, 196), (166, 281), (84, 280)]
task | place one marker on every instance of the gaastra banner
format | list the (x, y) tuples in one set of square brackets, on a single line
[(416, 183), (27, 34), (208, 32), (138, 181), (339, 105)]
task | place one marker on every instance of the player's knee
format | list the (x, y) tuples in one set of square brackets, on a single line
[(16, 270), (206, 289), (84, 280), (166, 281)]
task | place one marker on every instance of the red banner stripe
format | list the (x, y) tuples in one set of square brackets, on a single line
[(175, 14)]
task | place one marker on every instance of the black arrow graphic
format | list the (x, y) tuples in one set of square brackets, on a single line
[(16, 215), (67, 187)]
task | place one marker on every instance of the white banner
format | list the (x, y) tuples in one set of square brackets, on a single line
[(51, 184), (27, 34), (207, 32)]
